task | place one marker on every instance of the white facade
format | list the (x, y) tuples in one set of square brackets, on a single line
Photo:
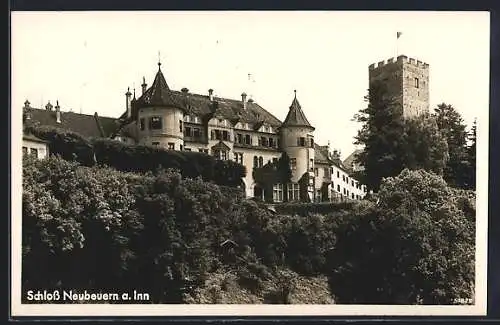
[(34, 147)]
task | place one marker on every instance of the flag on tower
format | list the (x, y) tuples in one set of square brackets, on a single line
[(398, 34)]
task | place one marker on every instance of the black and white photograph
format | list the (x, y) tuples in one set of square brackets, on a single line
[(184, 163)]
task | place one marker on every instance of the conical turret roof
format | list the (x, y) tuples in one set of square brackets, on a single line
[(159, 94), (296, 116)]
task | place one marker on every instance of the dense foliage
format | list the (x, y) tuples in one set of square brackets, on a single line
[(459, 166), (184, 240), (138, 158), (436, 142), (415, 246)]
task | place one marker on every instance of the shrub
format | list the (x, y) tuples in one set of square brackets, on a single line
[(416, 246)]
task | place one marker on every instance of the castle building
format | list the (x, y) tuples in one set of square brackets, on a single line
[(407, 82), (240, 130)]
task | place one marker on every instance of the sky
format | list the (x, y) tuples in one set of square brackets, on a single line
[(86, 60)]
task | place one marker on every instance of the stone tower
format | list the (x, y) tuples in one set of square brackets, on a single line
[(298, 142), (407, 81)]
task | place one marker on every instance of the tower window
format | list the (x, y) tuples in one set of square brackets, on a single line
[(142, 124), (180, 126), (155, 123), (416, 82)]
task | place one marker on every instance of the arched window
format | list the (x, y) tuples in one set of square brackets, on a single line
[(255, 162), (261, 161)]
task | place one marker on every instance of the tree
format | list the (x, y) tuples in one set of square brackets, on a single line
[(425, 146), (471, 158), (381, 134), (416, 246), (451, 125)]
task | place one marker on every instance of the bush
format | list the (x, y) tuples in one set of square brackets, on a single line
[(416, 246)]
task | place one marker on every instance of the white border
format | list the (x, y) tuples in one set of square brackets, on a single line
[(479, 309)]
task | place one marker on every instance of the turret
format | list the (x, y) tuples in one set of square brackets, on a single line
[(298, 142), (160, 115)]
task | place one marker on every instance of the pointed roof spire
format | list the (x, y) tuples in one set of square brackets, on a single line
[(159, 61), (296, 116), (159, 94), (128, 93), (143, 80)]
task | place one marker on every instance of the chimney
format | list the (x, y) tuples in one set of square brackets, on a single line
[(185, 90), (58, 112), (211, 94), (128, 106), (244, 100), (144, 85), (26, 110), (49, 106)]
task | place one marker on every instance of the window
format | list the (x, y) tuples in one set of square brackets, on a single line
[(187, 149), (171, 146), (239, 138), (180, 148), (338, 188), (338, 174), (263, 141), (352, 196), (196, 119), (301, 142), (416, 82), (311, 165), (220, 154), (25, 150), (255, 162), (327, 172), (261, 161), (238, 157), (180, 126), (352, 183), (203, 150), (347, 193), (318, 195), (155, 143), (275, 160), (312, 143), (293, 164), (278, 193), (248, 139), (344, 190), (293, 192), (347, 179), (225, 136), (142, 123), (187, 131), (271, 142), (196, 132), (34, 152), (155, 123), (316, 172)]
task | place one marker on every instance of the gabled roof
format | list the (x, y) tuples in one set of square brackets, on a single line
[(83, 124), (220, 146), (296, 116), (352, 158), (158, 94)]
